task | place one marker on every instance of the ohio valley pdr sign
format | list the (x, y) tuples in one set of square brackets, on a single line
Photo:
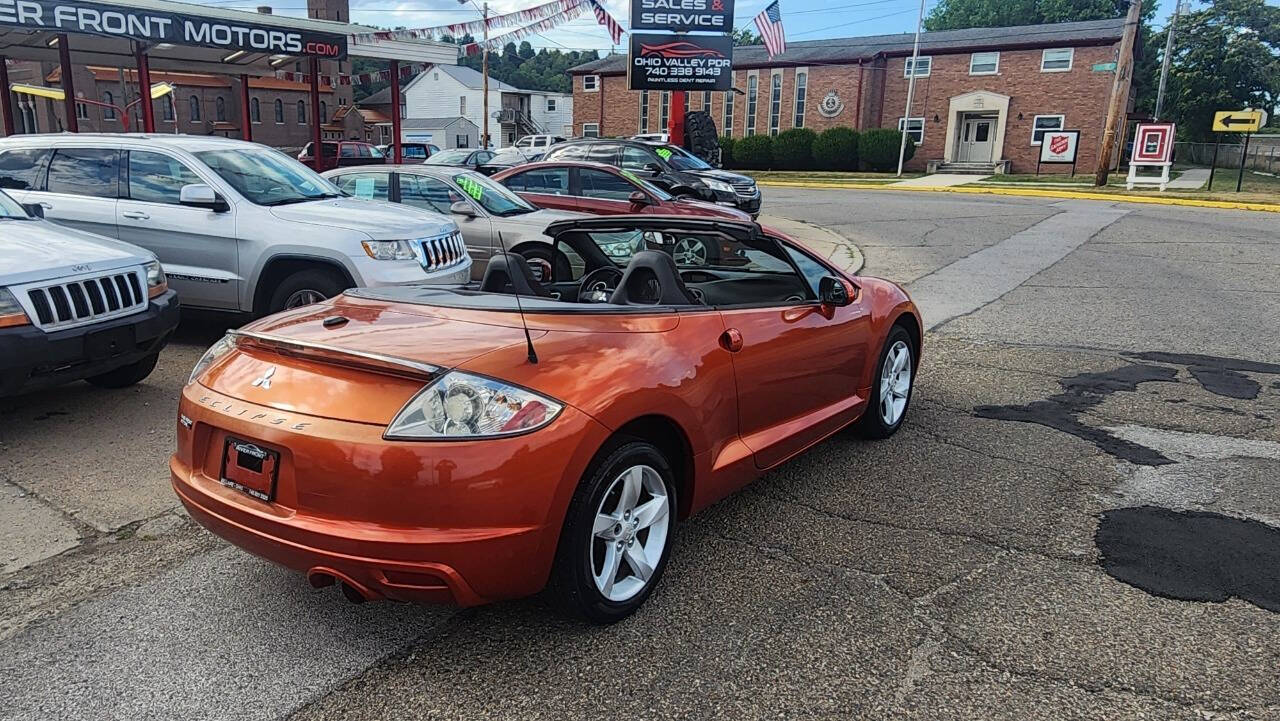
[(680, 62), (165, 27)]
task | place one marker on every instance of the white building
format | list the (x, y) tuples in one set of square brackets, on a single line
[(457, 91)]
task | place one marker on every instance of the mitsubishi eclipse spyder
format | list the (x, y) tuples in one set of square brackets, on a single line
[(469, 444)]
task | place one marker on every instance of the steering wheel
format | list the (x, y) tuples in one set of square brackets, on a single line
[(598, 285)]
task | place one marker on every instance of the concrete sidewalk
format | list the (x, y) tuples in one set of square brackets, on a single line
[(938, 180), (1193, 179), (836, 248)]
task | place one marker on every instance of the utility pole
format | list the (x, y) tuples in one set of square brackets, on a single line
[(911, 91), (1180, 7), (484, 69), (1115, 109)]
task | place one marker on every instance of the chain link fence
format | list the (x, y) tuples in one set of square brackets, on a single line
[(1264, 154)]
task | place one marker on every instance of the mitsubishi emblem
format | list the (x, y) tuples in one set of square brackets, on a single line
[(264, 381)]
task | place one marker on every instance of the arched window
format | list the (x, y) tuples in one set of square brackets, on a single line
[(279, 111), (220, 109), (108, 113), (302, 113), (324, 112), (255, 112), (195, 109), (167, 103)]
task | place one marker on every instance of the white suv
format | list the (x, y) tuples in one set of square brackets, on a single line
[(239, 226), (537, 142)]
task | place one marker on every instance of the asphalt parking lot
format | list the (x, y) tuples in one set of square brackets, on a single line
[(1080, 520)]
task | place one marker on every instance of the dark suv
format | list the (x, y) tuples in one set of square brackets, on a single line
[(670, 167)]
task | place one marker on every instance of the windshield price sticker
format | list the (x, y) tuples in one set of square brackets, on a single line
[(681, 15), (664, 153), (471, 187), (680, 62), (364, 188)]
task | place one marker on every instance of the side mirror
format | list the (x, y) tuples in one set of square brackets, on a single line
[(638, 197), (835, 291), (35, 210), (463, 208), (198, 195), (652, 168)]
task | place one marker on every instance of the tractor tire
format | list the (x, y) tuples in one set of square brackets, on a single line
[(700, 136)]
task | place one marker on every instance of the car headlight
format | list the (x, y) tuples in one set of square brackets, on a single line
[(215, 353), (11, 312), (460, 405), (157, 283), (718, 186), (621, 249), (389, 249)]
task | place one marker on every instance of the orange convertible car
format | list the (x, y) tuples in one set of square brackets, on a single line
[(420, 443)]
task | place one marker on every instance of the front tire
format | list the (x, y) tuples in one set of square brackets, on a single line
[(304, 288), (125, 376), (894, 381), (617, 535)]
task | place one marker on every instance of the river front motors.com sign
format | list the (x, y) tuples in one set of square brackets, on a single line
[(680, 62), (714, 16), (156, 26)]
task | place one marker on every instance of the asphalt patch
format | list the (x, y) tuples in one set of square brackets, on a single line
[(1191, 555), (1221, 376)]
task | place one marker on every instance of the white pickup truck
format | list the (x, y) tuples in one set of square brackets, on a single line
[(74, 305)]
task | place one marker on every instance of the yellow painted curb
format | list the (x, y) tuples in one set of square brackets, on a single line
[(1033, 192)]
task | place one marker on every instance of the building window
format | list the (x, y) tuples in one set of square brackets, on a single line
[(1042, 124), (194, 102), (462, 105), (108, 113), (664, 111), (279, 111), (590, 83), (462, 141), (324, 112), (644, 111), (984, 63), (728, 113), (686, 102), (302, 113), (168, 111), (802, 90), (551, 105), (922, 65), (915, 129), (591, 130), (1056, 60), (255, 111), (220, 110), (27, 116), (706, 100), (775, 103), (752, 96)]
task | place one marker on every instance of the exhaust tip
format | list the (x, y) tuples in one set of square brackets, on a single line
[(352, 593), (320, 579)]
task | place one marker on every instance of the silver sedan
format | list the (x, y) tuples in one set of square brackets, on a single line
[(482, 208)]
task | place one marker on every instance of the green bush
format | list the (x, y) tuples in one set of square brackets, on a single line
[(836, 149), (879, 148), (793, 149), (726, 152), (754, 152)]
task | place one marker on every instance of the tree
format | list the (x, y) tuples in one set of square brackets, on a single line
[(526, 50), (744, 36), (1226, 56)]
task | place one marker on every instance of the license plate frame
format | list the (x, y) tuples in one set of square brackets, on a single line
[(250, 468), (110, 342)]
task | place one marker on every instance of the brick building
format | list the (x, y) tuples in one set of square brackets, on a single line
[(983, 95)]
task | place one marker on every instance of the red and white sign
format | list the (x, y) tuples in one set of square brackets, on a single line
[(1059, 146), (1153, 143)]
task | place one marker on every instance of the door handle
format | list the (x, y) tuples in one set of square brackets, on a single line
[(135, 215), (731, 340)]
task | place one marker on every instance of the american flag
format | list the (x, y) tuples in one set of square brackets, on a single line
[(605, 19), (769, 22)]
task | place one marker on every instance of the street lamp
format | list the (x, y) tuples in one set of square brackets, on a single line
[(158, 90)]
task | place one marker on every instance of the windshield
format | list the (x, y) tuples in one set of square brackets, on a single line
[(681, 159), (268, 177), (449, 157), (648, 187), (10, 208), (494, 197)]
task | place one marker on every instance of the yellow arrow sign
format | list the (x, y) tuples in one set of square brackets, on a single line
[(1237, 121)]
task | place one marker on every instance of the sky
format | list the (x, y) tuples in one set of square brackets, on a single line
[(801, 19)]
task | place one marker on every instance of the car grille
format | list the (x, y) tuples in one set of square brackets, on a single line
[(744, 189), (87, 300), (442, 251)]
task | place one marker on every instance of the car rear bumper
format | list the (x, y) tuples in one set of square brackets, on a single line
[(31, 359), (464, 522)]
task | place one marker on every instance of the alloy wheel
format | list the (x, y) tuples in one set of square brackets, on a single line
[(630, 532), (895, 383), (305, 296), (690, 251)]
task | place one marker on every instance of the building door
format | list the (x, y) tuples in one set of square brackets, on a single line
[(975, 140)]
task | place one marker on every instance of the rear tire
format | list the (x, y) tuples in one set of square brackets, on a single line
[(125, 376), (891, 393), (306, 287), (616, 541)]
